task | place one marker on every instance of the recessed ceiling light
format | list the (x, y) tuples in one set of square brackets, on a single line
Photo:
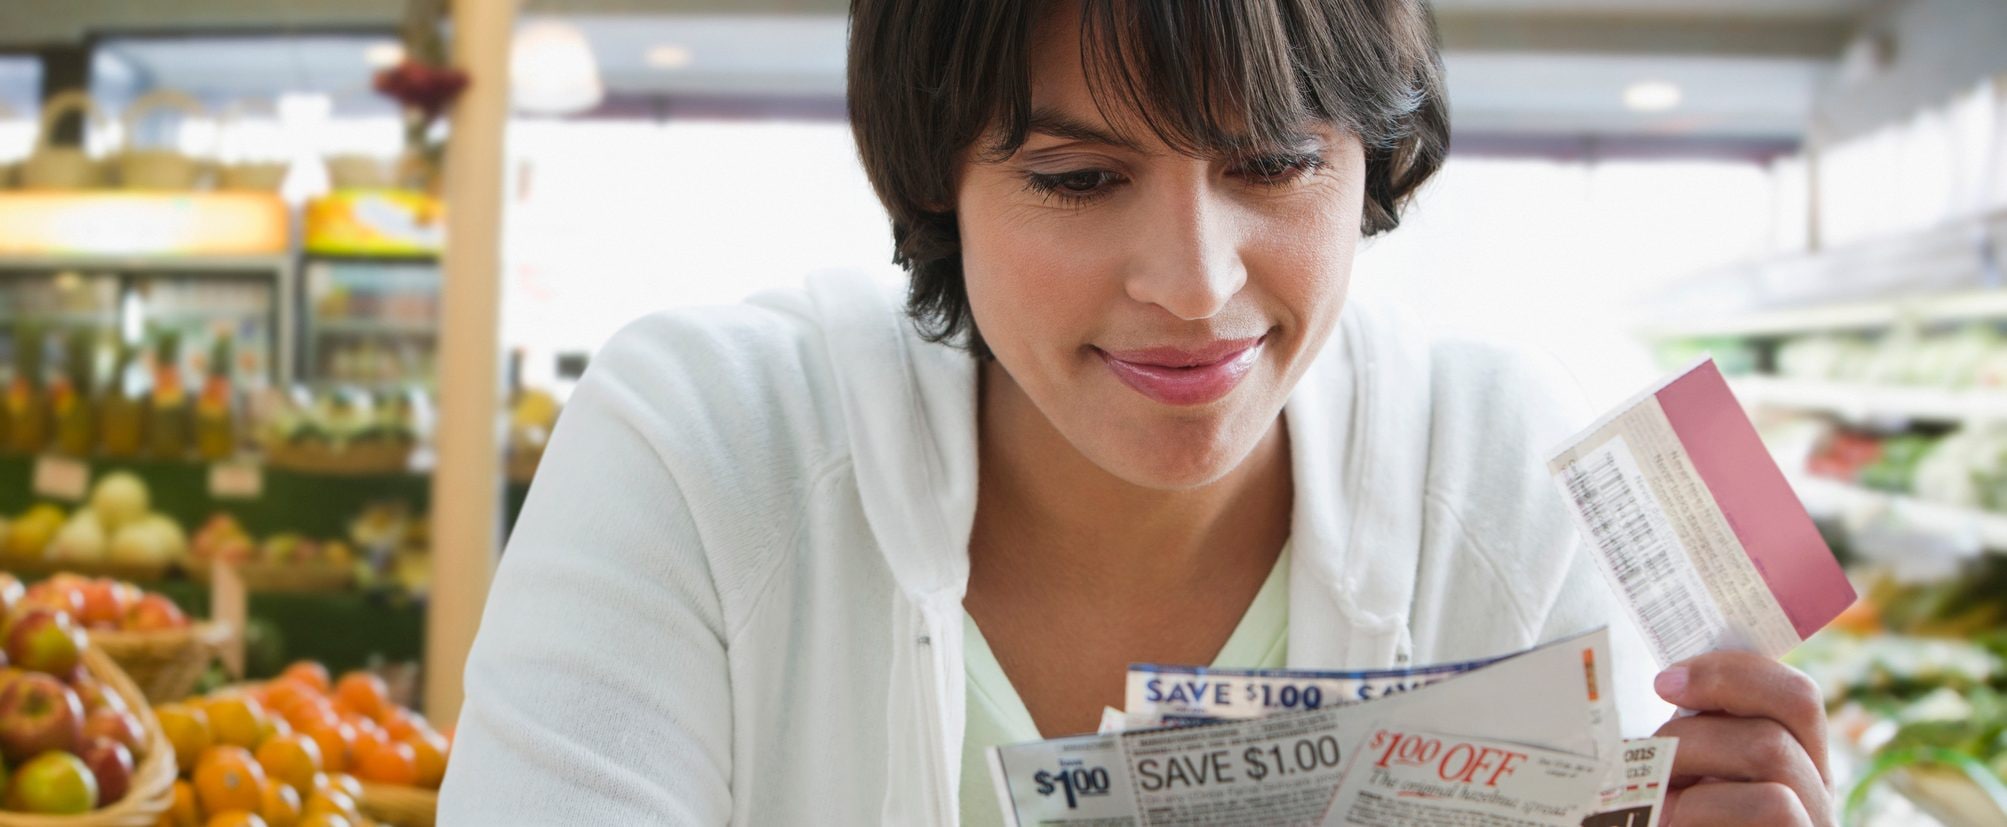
[(384, 55), (670, 56), (1651, 96)]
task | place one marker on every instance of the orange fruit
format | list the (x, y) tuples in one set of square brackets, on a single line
[(236, 818), (282, 694), (393, 763), (282, 804), (188, 729), (228, 778), (237, 720), (363, 693), (331, 802), (290, 759), (309, 711), (324, 820), (401, 723), (336, 741), (345, 783), (183, 812), (309, 673), (368, 739), (429, 751)]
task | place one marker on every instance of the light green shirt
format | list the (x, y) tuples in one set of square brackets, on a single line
[(996, 715)]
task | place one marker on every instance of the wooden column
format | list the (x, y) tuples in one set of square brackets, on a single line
[(467, 485)]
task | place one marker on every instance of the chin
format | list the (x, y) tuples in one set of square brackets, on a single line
[(1174, 455)]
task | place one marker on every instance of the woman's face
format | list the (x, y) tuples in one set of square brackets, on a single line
[(1155, 307)]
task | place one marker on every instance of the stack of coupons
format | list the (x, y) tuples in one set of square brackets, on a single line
[(1696, 531)]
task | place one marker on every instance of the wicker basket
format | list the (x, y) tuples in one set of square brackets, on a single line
[(166, 664), (131, 572), (398, 805), (152, 781)]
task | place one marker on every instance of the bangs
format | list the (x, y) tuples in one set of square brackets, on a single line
[(1224, 77)]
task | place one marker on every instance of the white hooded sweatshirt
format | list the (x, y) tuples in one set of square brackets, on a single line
[(734, 594)]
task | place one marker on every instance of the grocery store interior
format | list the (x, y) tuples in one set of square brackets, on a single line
[(258, 403)]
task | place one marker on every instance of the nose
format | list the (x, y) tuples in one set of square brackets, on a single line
[(1186, 256)]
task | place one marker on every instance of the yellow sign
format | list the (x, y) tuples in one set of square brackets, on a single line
[(142, 224), (375, 223)]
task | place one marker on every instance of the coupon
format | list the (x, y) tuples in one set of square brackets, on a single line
[(1158, 695), (1407, 777), (1284, 768), (1694, 526), (1640, 799)]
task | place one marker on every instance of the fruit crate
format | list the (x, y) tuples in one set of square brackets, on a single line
[(165, 664), (152, 790)]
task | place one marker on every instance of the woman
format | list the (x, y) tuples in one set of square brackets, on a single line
[(799, 561)]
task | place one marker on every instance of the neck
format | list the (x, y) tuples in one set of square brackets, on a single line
[(1044, 507)]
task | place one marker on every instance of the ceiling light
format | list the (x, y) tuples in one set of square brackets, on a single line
[(552, 70), (1651, 96), (670, 56), (383, 55)]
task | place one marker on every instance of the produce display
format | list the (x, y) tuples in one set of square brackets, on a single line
[(344, 432), (116, 527), (1972, 357), (141, 408), (68, 745), (298, 750)]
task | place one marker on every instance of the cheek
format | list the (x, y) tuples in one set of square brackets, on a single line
[(1031, 273)]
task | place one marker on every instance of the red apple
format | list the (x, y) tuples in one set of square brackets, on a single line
[(54, 596), (112, 763), (125, 596), (55, 783), (116, 725), (154, 613), (45, 641), (95, 696), (101, 609), (37, 714)]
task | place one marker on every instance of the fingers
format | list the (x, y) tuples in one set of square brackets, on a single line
[(1749, 685), (1727, 804), (1750, 751)]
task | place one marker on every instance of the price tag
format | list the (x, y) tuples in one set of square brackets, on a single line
[(62, 478), (236, 481), (229, 605)]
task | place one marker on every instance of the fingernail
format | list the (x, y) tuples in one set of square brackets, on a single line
[(1671, 682)]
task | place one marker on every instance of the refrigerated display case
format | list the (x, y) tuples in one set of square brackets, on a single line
[(195, 267), (370, 307)]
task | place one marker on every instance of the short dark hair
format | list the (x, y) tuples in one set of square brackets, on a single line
[(929, 78)]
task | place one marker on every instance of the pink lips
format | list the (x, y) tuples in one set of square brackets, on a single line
[(1181, 376)]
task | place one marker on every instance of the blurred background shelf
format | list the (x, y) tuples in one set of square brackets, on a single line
[(1859, 401), (1842, 502)]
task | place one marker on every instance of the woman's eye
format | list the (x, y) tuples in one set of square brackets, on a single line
[(1073, 186), (1272, 170)]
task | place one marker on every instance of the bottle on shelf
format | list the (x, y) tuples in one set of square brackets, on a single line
[(215, 409), (70, 396), (27, 406), (170, 418), (121, 416)]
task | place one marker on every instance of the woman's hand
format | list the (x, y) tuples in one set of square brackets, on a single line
[(1756, 753)]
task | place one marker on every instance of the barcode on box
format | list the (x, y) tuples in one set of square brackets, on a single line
[(1640, 550)]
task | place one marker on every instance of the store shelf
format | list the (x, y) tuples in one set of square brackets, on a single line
[(368, 327), (260, 266), (1861, 401), (63, 318), (1831, 499), (1974, 305)]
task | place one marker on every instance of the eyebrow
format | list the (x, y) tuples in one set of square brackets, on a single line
[(1057, 124), (1052, 122)]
